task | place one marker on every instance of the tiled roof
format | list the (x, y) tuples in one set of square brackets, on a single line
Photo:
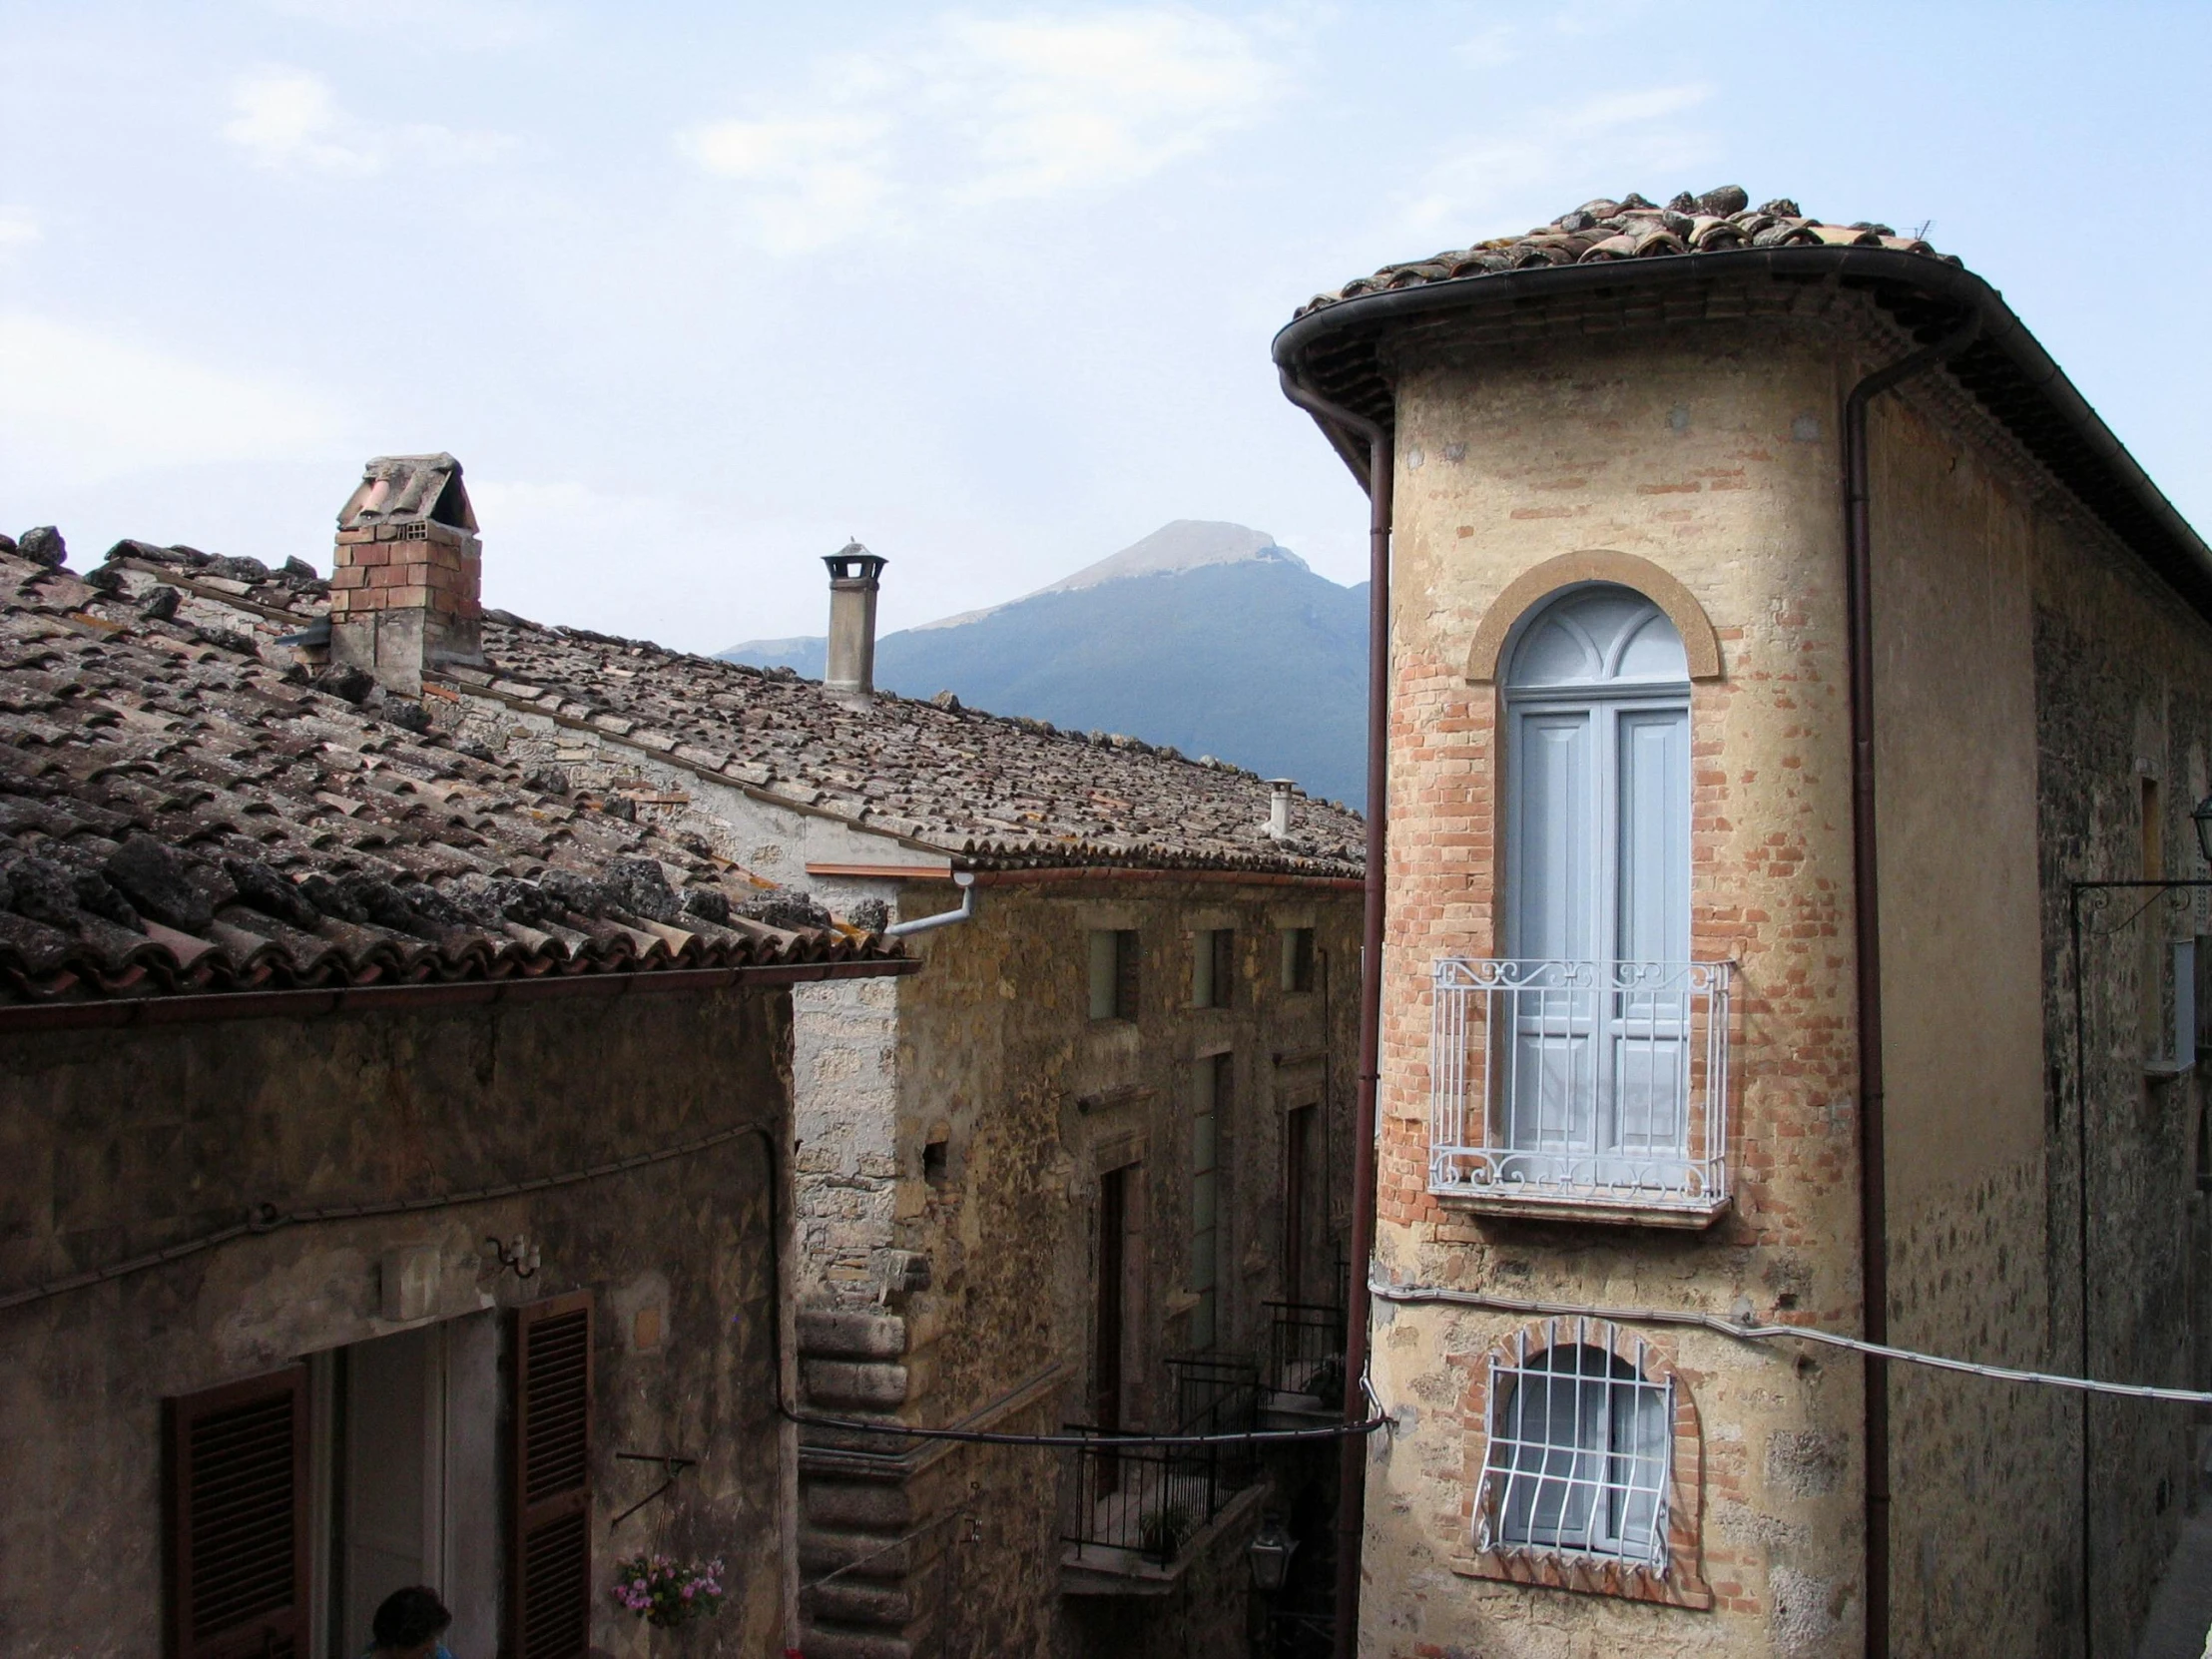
[(181, 811), (988, 790), (1719, 221)]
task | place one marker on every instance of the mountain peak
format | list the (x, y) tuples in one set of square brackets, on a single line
[(1184, 545)]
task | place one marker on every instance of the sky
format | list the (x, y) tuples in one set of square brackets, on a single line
[(697, 291)]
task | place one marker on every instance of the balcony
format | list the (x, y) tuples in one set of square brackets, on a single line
[(1583, 1090), (1133, 1517), (1303, 1382)]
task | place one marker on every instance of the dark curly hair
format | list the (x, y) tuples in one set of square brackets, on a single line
[(410, 1617)]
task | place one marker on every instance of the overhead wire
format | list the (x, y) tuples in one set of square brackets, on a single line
[(1743, 1331), (266, 1218)]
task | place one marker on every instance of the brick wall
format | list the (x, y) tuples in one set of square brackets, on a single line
[(2029, 675), (1715, 461)]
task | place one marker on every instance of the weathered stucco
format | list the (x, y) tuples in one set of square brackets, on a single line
[(122, 1142)]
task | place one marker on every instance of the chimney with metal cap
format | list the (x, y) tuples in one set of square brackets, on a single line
[(1278, 806), (853, 589)]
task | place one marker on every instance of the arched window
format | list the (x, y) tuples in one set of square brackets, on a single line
[(1596, 1055), (1581, 1445)]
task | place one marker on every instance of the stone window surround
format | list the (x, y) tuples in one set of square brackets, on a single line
[(1682, 1583)]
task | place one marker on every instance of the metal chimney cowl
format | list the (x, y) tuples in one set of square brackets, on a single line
[(853, 584)]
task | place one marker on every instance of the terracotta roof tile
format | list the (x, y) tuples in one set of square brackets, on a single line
[(1633, 228), (182, 811)]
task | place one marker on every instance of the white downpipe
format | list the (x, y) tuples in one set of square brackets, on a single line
[(964, 879)]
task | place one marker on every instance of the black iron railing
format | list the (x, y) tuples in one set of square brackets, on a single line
[(1148, 1502), (1306, 1353)]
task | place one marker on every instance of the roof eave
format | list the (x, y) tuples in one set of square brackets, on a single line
[(1944, 286)]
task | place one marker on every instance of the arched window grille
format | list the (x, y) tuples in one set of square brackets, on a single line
[(1581, 1449)]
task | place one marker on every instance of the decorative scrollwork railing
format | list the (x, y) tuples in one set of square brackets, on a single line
[(1605, 1081)]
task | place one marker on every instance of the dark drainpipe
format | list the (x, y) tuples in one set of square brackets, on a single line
[(1874, 1228), (1352, 1473)]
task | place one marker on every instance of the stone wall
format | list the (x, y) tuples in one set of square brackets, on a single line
[(1012, 1101), (951, 1131), (124, 1141), (2122, 675)]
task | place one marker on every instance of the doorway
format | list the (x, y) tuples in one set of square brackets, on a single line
[(408, 1468), (1597, 899)]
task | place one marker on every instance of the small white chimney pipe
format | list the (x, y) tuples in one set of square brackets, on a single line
[(1278, 806), (850, 665)]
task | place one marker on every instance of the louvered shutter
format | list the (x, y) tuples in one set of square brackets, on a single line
[(238, 1519), (549, 1557)]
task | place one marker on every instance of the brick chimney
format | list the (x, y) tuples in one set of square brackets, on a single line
[(407, 585), (851, 668)]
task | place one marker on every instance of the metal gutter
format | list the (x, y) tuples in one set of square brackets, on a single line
[(1037, 875), (1873, 1190), (1342, 426), (199, 1008)]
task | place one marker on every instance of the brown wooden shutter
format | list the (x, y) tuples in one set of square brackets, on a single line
[(237, 1490), (549, 1555)]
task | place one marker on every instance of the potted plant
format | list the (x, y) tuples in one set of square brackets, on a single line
[(666, 1592)]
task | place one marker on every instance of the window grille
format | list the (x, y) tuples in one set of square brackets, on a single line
[(1580, 1451)]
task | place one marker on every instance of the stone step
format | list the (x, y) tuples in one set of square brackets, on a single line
[(868, 1384), (866, 1554), (850, 1334), (851, 1600)]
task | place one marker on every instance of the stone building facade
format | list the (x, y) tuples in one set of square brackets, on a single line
[(1621, 1075), (1146, 1013), (396, 1160)]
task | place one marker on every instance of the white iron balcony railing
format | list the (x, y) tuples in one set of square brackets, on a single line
[(1578, 1086)]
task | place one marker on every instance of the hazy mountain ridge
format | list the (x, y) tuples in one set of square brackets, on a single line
[(1206, 636)]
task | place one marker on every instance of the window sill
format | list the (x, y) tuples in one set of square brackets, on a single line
[(2165, 1071), (1675, 1587), (1691, 1215)]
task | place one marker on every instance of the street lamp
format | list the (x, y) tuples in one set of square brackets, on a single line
[(1270, 1553), (2202, 818)]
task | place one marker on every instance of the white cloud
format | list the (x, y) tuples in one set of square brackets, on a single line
[(287, 118), (1084, 103), (973, 111), (1492, 48), (566, 550), (1548, 164), (454, 24), (18, 228), (816, 180), (86, 407)]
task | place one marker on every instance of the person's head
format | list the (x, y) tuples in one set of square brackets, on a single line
[(409, 1623)]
